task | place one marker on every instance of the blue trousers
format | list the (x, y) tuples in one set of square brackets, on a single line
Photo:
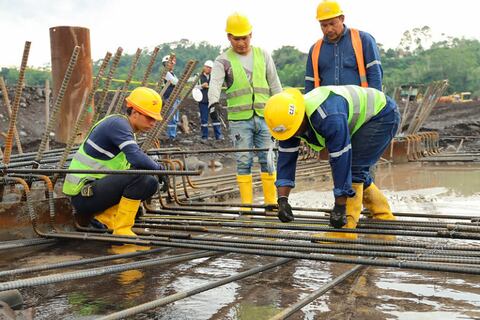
[(204, 113), (369, 143), (248, 134), (172, 124)]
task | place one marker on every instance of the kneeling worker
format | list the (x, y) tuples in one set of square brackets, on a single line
[(355, 125), (114, 199)]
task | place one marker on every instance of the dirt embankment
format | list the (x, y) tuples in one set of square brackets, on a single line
[(452, 121)]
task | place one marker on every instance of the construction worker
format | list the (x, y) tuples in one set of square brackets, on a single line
[(344, 55), (115, 199), (251, 77), (170, 80), (355, 124), (203, 105)]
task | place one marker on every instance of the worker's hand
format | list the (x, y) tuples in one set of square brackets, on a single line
[(284, 210), (214, 106), (163, 182), (338, 217)]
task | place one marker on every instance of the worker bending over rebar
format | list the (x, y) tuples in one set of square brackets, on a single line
[(114, 200), (355, 124)]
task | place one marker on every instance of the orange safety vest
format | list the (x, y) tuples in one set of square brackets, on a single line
[(357, 47)]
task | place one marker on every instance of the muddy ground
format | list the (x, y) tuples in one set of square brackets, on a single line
[(450, 120)]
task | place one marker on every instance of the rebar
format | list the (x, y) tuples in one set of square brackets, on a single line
[(184, 294), (85, 110), (8, 108), (149, 67), (124, 90), (106, 86), (58, 103), (16, 104), (315, 295)]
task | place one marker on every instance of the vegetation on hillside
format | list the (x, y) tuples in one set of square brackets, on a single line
[(455, 59)]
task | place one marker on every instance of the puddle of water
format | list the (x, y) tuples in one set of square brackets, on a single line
[(388, 293)]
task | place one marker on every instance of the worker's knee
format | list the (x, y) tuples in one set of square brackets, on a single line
[(142, 188)]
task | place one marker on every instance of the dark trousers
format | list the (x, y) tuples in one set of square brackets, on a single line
[(369, 143), (204, 112), (108, 191)]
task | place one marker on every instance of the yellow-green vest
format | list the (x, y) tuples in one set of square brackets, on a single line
[(74, 182), (363, 104), (245, 98)]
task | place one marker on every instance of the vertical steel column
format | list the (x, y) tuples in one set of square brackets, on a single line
[(63, 39)]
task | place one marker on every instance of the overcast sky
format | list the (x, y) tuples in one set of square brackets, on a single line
[(146, 23)]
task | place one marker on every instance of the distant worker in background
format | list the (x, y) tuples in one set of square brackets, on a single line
[(171, 81), (114, 200), (344, 55), (203, 105), (355, 124), (251, 78)]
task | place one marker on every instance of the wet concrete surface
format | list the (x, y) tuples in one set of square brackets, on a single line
[(374, 293)]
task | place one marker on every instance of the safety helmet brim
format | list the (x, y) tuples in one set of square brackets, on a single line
[(143, 111)]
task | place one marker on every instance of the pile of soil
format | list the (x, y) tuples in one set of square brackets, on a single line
[(454, 122)]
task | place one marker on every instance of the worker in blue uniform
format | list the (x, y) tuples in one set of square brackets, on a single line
[(114, 200), (354, 124), (343, 55)]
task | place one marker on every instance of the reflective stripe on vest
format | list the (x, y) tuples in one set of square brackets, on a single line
[(363, 104), (357, 48), (82, 161), (245, 98)]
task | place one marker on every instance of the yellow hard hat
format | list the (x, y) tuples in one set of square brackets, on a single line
[(146, 101), (328, 9), (284, 113), (238, 25)]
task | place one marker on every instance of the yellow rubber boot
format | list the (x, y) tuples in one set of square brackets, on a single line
[(377, 203), (107, 217), (125, 218), (269, 189), (246, 190), (353, 210)]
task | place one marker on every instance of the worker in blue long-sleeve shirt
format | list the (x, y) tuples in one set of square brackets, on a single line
[(113, 200), (344, 55), (355, 125)]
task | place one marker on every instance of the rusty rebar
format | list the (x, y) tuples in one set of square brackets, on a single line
[(6, 102), (16, 104), (148, 71), (87, 106), (58, 103), (106, 86), (124, 90)]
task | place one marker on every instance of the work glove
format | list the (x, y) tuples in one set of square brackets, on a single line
[(214, 107), (163, 183), (338, 217), (284, 210)]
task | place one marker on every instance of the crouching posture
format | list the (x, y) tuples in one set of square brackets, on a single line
[(114, 200), (355, 125)]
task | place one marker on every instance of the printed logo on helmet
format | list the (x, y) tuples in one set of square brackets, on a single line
[(280, 128), (154, 102), (291, 109)]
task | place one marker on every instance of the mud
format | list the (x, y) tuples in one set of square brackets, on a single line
[(374, 293)]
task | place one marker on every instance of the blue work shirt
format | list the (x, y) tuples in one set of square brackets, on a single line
[(338, 65), (111, 137), (331, 122)]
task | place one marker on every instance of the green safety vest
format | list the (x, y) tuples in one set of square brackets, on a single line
[(74, 182), (245, 98), (363, 104)]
